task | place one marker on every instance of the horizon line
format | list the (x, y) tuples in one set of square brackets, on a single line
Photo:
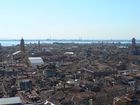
[(8, 39)]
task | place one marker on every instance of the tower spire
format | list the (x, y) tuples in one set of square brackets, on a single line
[(22, 45), (133, 43)]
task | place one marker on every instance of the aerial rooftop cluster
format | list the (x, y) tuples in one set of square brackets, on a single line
[(70, 74)]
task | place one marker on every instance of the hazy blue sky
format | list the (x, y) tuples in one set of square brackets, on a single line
[(70, 19)]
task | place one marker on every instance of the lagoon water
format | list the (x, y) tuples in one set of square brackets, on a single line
[(16, 42)]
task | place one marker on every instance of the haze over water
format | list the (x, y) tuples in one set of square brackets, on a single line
[(17, 42)]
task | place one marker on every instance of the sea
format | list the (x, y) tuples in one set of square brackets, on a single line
[(48, 41)]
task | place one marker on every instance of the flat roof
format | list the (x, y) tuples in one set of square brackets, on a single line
[(36, 60), (17, 52), (10, 100)]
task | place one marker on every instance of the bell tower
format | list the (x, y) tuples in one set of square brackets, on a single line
[(133, 43), (22, 45)]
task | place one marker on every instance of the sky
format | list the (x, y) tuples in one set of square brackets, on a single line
[(69, 19)]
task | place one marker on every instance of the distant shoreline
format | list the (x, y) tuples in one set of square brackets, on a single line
[(67, 40), (13, 42)]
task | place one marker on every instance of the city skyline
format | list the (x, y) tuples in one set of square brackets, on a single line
[(69, 19)]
